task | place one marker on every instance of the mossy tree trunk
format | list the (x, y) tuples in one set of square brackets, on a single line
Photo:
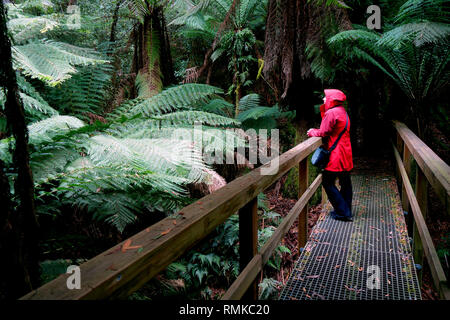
[(152, 59)]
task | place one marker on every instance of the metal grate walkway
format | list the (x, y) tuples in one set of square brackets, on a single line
[(341, 259)]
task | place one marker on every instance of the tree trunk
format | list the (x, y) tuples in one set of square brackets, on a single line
[(290, 27), (112, 37), (19, 246), (152, 60)]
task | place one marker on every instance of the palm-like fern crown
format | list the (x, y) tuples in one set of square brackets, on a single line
[(413, 52), (129, 165)]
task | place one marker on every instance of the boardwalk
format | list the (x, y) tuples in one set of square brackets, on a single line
[(338, 259), (340, 256)]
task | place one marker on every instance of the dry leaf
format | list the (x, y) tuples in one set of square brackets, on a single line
[(111, 267), (166, 232), (126, 245)]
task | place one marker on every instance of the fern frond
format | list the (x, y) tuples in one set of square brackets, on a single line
[(432, 10), (45, 130), (171, 99), (52, 62), (259, 112), (419, 33), (27, 28), (84, 92), (249, 101), (192, 117)]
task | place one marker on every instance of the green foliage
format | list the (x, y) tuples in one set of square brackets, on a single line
[(85, 92), (171, 99), (50, 61), (118, 174), (413, 52), (51, 269), (269, 289)]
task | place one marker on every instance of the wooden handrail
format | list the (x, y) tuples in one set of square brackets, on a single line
[(431, 170), (118, 272), (437, 272), (243, 281), (434, 168)]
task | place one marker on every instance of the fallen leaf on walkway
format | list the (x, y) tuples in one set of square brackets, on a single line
[(166, 232), (348, 288), (318, 295)]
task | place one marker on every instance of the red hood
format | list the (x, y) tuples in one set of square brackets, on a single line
[(334, 97)]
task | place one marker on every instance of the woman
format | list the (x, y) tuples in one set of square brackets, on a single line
[(334, 120)]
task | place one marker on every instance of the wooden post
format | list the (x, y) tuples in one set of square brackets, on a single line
[(405, 203), (422, 199), (303, 217), (248, 241)]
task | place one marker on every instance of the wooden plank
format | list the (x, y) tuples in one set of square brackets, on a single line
[(303, 217), (434, 168), (248, 241), (407, 165), (269, 247), (405, 203), (430, 252), (421, 195), (114, 273), (245, 279), (444, 292)]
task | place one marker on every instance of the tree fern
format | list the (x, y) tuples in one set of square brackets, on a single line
[(50, 61), (84, 92), (171, 99)]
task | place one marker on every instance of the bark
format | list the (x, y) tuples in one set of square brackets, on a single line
[(152, 58), (290, 27), (19, 246), (222, 27), (112, 37)]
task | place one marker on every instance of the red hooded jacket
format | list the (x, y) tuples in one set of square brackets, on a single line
[(334, 118)]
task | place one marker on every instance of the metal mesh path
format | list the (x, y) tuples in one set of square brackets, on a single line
[(341, 259)]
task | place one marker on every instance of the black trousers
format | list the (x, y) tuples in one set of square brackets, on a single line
[(341, 200)]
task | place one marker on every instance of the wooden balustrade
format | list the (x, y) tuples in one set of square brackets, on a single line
[(121, 270), (430, 170)]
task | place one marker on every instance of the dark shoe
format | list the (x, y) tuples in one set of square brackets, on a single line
[(350, 219)]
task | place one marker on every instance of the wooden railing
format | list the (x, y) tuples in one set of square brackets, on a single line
[(118, 272), (431, 170)]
